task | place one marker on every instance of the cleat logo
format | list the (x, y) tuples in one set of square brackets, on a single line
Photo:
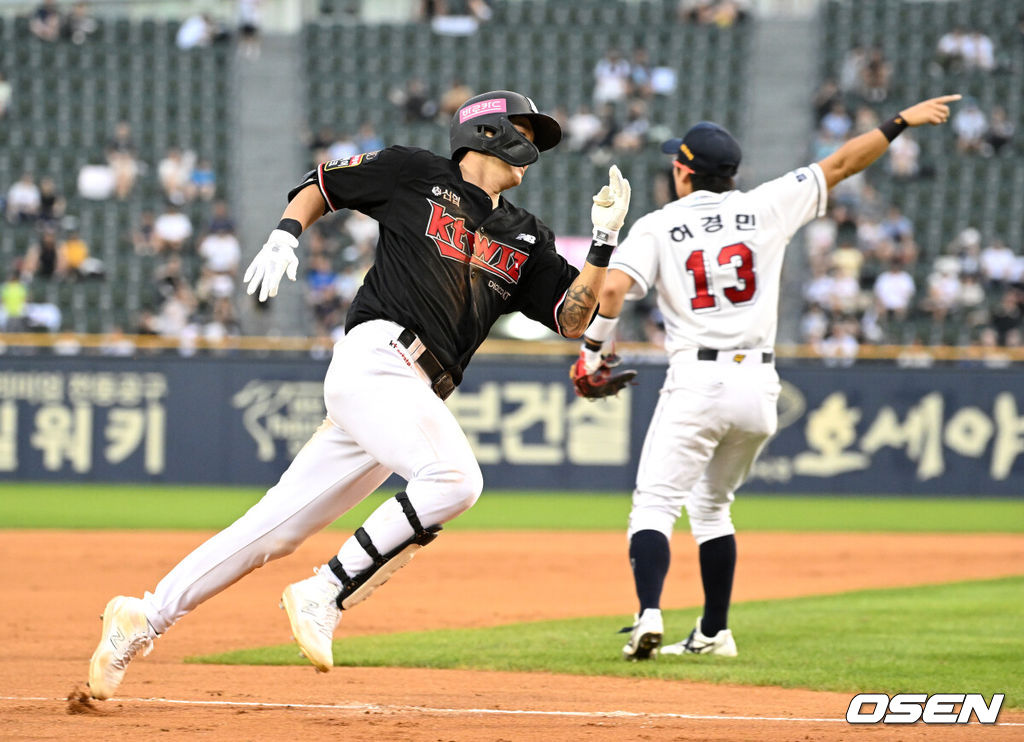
[(117, 638)]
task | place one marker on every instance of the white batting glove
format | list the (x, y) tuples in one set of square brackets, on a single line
[(275, 259), (610, 206)]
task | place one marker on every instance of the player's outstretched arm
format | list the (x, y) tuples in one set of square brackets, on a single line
[(861, 151), (277, 256), (608, 213)]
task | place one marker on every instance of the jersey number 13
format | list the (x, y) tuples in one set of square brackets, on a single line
[(742, 291)]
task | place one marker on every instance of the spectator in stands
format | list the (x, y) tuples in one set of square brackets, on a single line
[(951, 49), (23, 200), (969, 125), (865, 119), (611, 78), (167, 277), (171, 230), (582, 129), (851, 70), (343, 147), (641, 83), (894, 293), (825, 97), (837, 122), (943, 294), (6, 93), (845, 297), (453, 97), (1000, 132), (978, 52), (915, 356), (367, 139), (45, 22), (813, 324), (13, 298), (875, 77), (176, 313), (415, 101), (998, 262), (74, 260), (202, 182), (42, 256), (972, 301), (818, 289), (633, 134), (174, 172), (79, 25), (221, 253), (841, 347), (116, 343), (363, 231), (121, 156), (896, 226), (904, 157), (144, 236), (51, 203), (249, 28), (220, 219), (223, 323), (195, 31), (1007, 316), (721, 13)]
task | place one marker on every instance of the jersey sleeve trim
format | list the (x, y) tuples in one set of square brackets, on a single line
[(640, 288), (558, 308), (819, 180), (323, 189)]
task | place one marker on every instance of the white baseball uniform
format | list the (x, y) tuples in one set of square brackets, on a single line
[(716, 262)]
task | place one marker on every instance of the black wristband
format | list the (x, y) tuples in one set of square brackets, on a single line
[(291, 226), (600, 254), (892, 128)]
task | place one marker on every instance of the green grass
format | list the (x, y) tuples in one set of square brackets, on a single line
[(173, 507), (958, 637)]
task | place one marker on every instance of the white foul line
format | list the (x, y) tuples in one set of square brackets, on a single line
[(383, 708)]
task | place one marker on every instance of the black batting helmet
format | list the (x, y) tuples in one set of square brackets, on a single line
[(482, 124)]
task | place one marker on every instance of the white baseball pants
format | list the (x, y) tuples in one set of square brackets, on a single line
[(711, 421), (382, 417)]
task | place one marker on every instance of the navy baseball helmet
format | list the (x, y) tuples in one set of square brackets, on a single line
[(706, 149), (482, 124)]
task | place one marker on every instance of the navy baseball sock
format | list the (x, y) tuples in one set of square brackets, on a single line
[(717, 567), (649, 556)]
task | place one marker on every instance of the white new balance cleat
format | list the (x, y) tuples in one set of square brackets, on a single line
[(721, 644), (314, 615), (645, 635), (126, 632)]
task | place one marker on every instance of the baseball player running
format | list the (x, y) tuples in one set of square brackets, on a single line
[(453, 255), (715, 257)]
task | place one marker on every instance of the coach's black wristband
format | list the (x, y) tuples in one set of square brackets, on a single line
[(892, 128), (291, 226), (600, 254)]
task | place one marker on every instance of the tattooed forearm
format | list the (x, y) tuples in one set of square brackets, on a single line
[(580, 302)]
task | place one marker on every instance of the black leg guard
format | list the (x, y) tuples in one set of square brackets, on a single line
[(359, 588)]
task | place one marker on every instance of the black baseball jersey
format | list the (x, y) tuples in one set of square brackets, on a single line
[(448, 263)]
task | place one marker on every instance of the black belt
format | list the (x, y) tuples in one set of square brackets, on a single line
[(707, 354), (440, 379)]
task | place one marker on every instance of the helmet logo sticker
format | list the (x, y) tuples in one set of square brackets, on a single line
[(493, 105)]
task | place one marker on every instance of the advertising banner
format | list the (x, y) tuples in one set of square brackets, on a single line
[(236, 420)]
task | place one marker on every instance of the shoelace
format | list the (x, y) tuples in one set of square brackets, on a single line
[(140, 641)]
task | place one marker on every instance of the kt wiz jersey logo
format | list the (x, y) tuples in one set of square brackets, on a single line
[(455, 242)]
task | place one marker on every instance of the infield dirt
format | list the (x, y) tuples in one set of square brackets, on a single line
[(56, 583)]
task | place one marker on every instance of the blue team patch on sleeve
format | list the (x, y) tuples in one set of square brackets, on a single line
[(351, 161)]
